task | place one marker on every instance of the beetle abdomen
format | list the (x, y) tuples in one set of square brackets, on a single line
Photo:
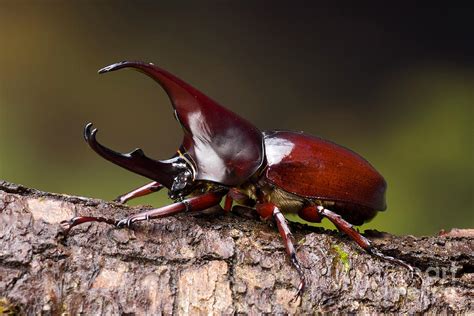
[(318, 169), (291, 203)]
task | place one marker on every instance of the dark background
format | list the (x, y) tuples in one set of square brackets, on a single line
[(395, 84)]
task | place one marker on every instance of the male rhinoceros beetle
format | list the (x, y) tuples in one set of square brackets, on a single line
[(222, 154)]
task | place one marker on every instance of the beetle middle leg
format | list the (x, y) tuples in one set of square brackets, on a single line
[(138, 192), (363, 242), (267, 210), (228, 203), (194, 204)]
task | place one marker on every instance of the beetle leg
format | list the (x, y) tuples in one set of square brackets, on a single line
[(141, 191), (67, 225), (310, 213), (271, 209), (228, 203), (234, 195), (347, 228), (193, 204)]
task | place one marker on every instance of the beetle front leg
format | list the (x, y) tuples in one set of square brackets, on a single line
[(267, 210), (67, 225), (347, 228), (194, 204), (138, 192)]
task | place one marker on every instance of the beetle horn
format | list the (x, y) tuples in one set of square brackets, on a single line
[(224, 147), (135, 161)]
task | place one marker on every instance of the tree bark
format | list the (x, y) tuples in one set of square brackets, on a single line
[(220, 264)]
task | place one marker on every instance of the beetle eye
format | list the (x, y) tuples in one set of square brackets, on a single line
[(181, 184)]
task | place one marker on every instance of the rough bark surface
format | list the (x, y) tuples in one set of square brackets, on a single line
[(212, 265)]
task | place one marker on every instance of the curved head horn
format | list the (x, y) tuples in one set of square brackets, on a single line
[(224, 147)]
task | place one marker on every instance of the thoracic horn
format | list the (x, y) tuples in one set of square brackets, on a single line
[(223, 147)]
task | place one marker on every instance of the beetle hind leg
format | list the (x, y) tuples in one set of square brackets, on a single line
[(363, 242)]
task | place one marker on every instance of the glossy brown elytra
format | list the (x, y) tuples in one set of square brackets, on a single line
[(274, 172)]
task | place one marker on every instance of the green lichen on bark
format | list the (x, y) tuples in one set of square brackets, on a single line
[(343, 257)]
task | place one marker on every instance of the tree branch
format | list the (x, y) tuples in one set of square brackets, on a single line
[(212, 264)]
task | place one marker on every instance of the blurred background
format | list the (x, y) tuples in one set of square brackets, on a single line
[(394, 84)]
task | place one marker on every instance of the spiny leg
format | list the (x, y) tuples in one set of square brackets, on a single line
[(347, 228), (67, 225), (193, 204), (140, 191), (267, 210)]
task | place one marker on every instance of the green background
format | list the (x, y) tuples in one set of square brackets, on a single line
[(394, 84)]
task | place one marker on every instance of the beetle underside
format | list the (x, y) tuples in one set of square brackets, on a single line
[(291, 203)]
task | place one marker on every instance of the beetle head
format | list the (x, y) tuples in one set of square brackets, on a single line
[(218, 145), (175, 173)]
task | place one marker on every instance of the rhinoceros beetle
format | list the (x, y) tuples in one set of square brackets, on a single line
[(273, 172)]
